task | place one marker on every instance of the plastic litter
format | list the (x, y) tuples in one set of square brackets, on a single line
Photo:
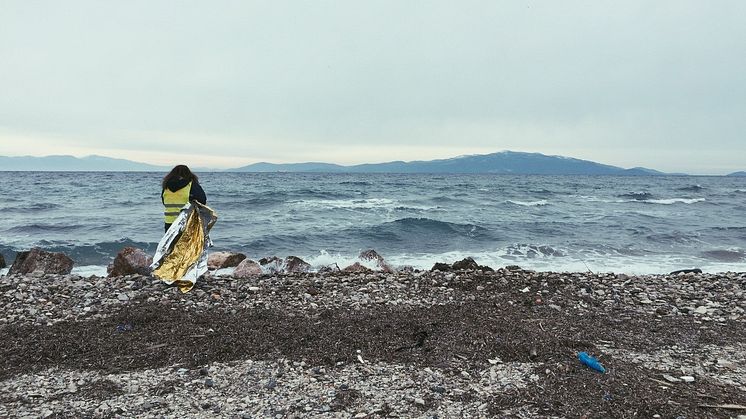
[(126, 327), (591, 362)]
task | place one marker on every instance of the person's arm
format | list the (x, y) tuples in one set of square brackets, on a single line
[(197, 193)]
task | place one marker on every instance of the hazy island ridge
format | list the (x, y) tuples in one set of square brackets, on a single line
[(504, 162)]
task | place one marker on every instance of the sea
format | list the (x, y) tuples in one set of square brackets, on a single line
[(632, 225)]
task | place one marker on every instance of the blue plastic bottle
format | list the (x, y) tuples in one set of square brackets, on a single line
[(591, 362)]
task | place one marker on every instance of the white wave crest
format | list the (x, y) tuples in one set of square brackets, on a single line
[(321, 260), (674, 201), (357, 204), (539, 203), (574, 261), (85, 270), (90, 270), (325, 258)]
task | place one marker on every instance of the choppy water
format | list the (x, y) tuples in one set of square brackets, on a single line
[(562, 223)]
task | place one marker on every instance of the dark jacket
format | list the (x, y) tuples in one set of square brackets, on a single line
[(196, 193)]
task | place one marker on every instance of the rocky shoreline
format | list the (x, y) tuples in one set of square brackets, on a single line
[(461, 343)]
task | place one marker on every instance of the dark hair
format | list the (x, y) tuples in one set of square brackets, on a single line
[(180, 171)]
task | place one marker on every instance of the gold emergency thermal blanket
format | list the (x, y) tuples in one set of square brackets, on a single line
[(181, 256)]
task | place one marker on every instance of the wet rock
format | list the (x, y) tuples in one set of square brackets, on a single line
[(246, 269), (371, 255), (663, 311), (687, 271), (443, 267), (221, 260), (296, 264), (271, 259), (356, 267), (37, 260), (130, 261), (467, 264)]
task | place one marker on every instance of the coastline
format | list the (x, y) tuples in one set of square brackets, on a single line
[(405, 344)]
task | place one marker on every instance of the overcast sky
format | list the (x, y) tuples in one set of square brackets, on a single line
[(660, 84)]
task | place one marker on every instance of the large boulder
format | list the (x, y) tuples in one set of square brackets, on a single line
[(130, 261), (220, 260), (440, 266), (40, 260), (247, 269), (356, 267), (2, 261), (371, 255), (467, 264), (296, 264), (290, 264)]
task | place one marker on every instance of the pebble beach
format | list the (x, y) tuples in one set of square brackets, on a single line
[(426, 344)]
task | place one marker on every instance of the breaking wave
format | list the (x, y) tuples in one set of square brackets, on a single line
[(725, 255), (637, 196), (675, 201), (665, 201), (533, 251), (434, 226), (358, 204), (692, 188), (425, 231), (539, 203)]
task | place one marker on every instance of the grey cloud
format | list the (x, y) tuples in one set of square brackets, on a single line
[(546, 75)]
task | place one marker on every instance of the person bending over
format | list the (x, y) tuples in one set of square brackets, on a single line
[(179, 186)]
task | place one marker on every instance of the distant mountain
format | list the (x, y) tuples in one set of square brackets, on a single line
[(739, 174), (71, 163), (290, 167), (506, 162)]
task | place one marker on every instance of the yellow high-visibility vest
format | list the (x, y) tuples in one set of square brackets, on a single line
[(173, 201)]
